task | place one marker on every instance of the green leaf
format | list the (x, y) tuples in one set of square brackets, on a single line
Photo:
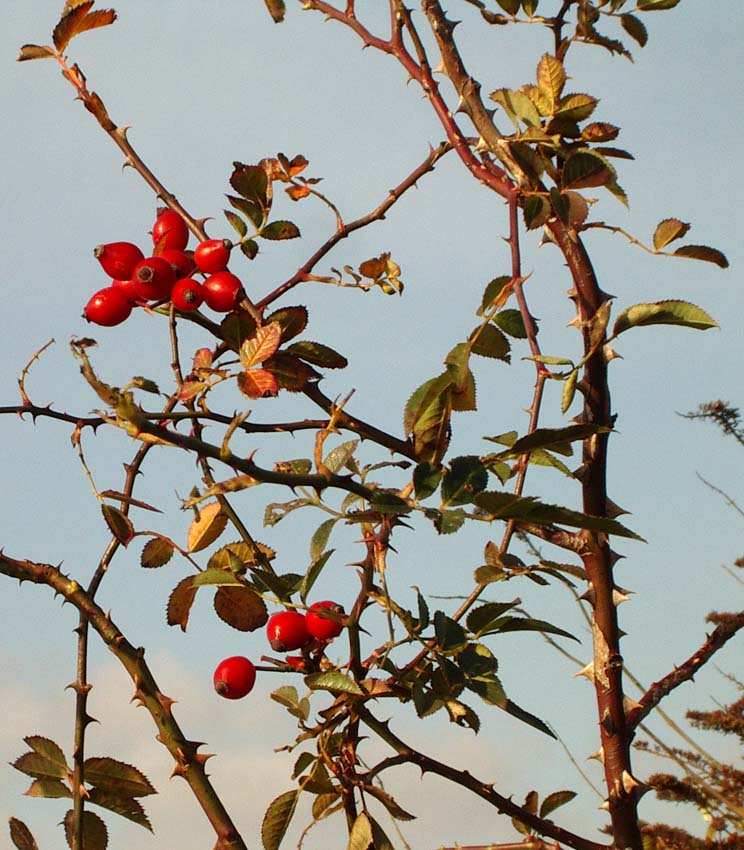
[(47, 761), (240, 227), (447, 522), (664, 313), (313, 571), (126, 806), (215, 577), (450, 634), (249, 247), (119, 524), (703, 252), (490, 342), (360, 837), (525, 716), (251, 183), (481, 618), (426, 418), (156, 553), (423, 611), (457, 361), (333, 681), (394, 809), (51, 789), (528, 624), (585, 169), (338, 457), (94, 829), (384, 502), (117, 777), (551, 77), (505, 506), (251, 210), (304, 760), (465, 477), (320, 537), (426, 479), (668, 230), (277, 818), (511, 323), (556, 439), (536, 212), (278, 230), (554, 801), (569, 390), (21, 836), (380, 841), (492, 292), (318, 354), (293, 321), (576, 107)]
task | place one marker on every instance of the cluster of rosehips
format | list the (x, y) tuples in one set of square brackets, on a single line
[(165, 276), (286, 631)]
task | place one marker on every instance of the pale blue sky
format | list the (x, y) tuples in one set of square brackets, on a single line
[(205, 84)]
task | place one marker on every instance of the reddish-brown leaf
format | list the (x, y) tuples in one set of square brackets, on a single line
[(258, 383)]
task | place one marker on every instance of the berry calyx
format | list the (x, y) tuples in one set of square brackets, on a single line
[(212, 255), (153, 278), (108, 307), (234, 677), (118, 259), (223, 291), (170, 231), (182, 263), (287, 631), (325, 626), (187, 294)]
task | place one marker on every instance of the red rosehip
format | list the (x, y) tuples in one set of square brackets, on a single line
[(153, 278), (170, 231), (325, 627), (118, 259), (234, 677), (213, 255), (108, 307), (287, 631), (187, 294), (127, 287), (223, 291), (182, 263)]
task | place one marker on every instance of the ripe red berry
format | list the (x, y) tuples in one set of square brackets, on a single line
[(287, 631), (187, 294), (170, 231), (127, 287), (213, 255), (153, 278), (234, 677), (223, 291), (182, 263), (118, 259), (321, 626), (108, 307)]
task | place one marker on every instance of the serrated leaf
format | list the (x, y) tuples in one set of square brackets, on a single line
[(21, 835), (293, 321), (360, 836), (68, 24), (277, 818), (277, 230), (576, 107), (216, 578), (496, 293), (251, 183), (207, 528), (480, 619), (333, 681), (237, 223), (94, 830), (585, 169), (556, 438), (635, 28), (121, 804), (241, 608), (703, 252), (320, 538), (511, 7), (664, 313), (322, 805), (46, 762), (551, 77), (304, 760), (34, 51), (527, 509), (599, 131), (569, 390), (119, 524), (180, 602), (264, 342), (425, 404), (156, 553), (117, 777), (536, 212), (656, 5), (313, 571), (529, 624), (450, 635), (318, 354), (338, 457), (554, 801), (51, 789), (426, 479), (512, 708), (465, 477), (291, 373), (490, 342), (286, 695), (258, 383), (668, 230), (447, 522)]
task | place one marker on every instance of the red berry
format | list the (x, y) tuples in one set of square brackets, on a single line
[(170, 231), (223, 292), (296, 662), (213, 255), (153, 278), (234, 677), (108, 307), (321, 626), (182, 263), (118, 259), (187, 294), (127, 287), (287, 631)]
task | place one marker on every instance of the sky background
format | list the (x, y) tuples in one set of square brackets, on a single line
[(203, 84)]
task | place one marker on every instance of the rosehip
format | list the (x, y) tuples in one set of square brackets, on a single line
[(182, 263), (213, 255), (127, 287), (153, 278), (287, 631), (321, 626), (296, 662), (170, 231), (108, 307), (187, 294), (223, 291), (118, 259), (234, 677)]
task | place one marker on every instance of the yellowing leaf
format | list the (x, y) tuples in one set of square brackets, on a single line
[(664, 313), (207, 528), (241, 608), (551, 77), (261, 345), (703, 252), (258, 383), (669, 230)]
